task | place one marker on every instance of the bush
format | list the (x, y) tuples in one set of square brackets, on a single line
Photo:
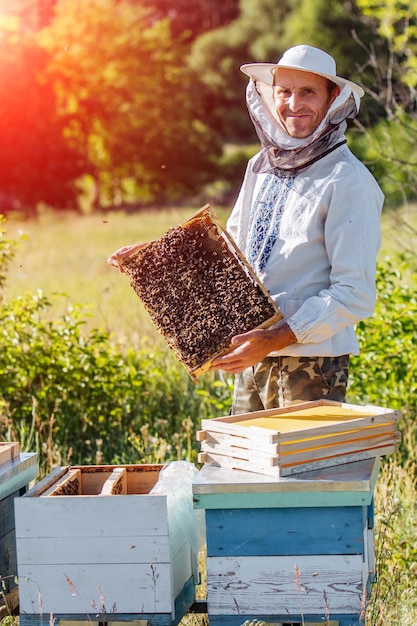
[(79, 399), (385, 373)]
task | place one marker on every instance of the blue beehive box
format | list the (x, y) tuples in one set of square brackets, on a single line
[(292, 550), (17, 470)]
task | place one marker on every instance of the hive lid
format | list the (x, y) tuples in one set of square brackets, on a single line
[(198, 289)]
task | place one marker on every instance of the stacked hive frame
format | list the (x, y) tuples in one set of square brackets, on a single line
[(281, 442)]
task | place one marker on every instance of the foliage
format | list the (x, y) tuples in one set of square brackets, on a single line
[(262, 31), (135, 108), (76, 398), (391, 92), (206, 14), (389, 150), (36, 162), (128, 102), (385, 373), (217, 55), (397, 23)]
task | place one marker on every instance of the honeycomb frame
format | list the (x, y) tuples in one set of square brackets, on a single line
[(199, 290)]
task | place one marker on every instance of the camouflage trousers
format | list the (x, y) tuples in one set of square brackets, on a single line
[(283, 381)]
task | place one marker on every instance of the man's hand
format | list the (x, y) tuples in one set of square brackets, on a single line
[(251, 347), (121, 253)]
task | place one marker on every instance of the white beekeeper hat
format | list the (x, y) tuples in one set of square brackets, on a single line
[(306, 59)]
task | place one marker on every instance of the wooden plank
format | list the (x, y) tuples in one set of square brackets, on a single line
[(296, 429), (8, 562), (256, 442), (282, 620), (213, 439), (356, 476), (297, 452), (68, 485), (348, 484), (286, 531), (114, 619), (284, 499), (252, 463), (9, 451), (116, 483), (184, 600), (122, 588), (295, 456), (254, 457), (371, 434), (89, 516), (100, 549), (339, 460), (274, 585), (292, 417), (349, 447)]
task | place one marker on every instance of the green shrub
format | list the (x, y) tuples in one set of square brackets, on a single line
[(385, 373), (77, 398)]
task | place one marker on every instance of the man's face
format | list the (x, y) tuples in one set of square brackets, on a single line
[(302, 100)]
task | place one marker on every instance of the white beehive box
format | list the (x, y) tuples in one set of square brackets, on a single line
[(96, 539)]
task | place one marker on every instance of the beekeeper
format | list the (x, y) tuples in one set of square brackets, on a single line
[(308, 220)]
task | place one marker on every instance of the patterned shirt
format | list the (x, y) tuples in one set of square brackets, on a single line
[(266, 216)]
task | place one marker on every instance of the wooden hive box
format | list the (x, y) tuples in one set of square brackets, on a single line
[(198, 289), (96, 541), (17, 471), (281, 442), (288, 550)]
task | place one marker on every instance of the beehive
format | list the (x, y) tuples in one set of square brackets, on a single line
[(17, 470), (292, 550), (100, 540), (199, 290), (310, 435)]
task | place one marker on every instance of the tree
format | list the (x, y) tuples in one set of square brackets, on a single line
[(205, 15), (36, 162), (217, 55), (393, 67), (262, 32), (134, 107)]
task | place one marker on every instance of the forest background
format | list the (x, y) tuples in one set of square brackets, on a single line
[(118, 118)]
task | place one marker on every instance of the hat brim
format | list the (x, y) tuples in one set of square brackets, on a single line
[(265, 73)]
